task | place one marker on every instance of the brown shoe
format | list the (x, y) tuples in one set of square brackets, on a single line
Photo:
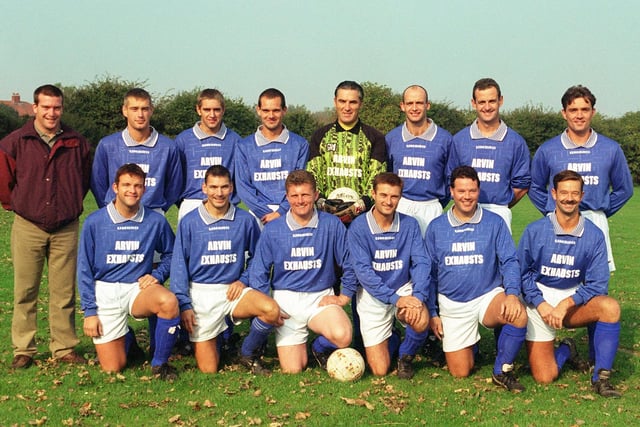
[(72, 357), (21, 361)]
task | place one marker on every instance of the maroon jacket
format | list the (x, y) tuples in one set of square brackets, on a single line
[(46, 186)]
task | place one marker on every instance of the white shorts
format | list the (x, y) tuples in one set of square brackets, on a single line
[(210, 306), (187, 206), (301, 308), (376, 317), (423, 211), (460, 320), (600, 219), (537, 330), (501, 210), (260, 224), (114, 301)]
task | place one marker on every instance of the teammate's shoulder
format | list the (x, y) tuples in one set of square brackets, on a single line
[(462, 134), (394, 133)]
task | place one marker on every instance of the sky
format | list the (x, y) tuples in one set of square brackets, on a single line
[(534, 49)]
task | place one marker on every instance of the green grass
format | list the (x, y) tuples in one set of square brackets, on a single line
[(52, 394)]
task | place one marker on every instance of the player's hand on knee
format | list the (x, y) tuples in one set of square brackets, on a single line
[(235, 290), (188, 320), (147, 280), (435, 325), (92, 327)]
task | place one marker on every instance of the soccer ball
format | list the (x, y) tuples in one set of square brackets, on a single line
[(345, 364)]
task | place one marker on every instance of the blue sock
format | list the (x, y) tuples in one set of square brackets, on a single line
[(322, 345), (496, 334), (562, 354), (606, 338), (355, 320), (167, 331), (412, 341), (129, 339), (509, 344), (475, 349), (256, 339), (153, 324), (394, 343), (591, 329), (226, 334)]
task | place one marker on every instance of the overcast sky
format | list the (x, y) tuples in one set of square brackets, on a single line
[(534, 49)]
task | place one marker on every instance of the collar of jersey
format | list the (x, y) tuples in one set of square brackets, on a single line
[(119, 219), (209, 219), (427, 135), (455, 222), (569, 144), (376, 229), (559, 231), (200, 134), (293, 225), (354, 130), (497, 136), (261, 140), (149, 142)]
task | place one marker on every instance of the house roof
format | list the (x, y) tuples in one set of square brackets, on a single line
[(21, 107)]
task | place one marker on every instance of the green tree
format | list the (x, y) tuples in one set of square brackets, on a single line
[(447, 117), (176, 113), (535, 124), (381, 108), (240, 117), (300, 120), (9, 120), (95, 109)]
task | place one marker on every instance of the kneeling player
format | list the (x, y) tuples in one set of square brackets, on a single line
[(116, 277), (476, 277), (565, 277), (303, 248), (208, 271), (391, 264)]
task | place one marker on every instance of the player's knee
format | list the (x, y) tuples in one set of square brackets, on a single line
[(270, 311), (545, 376), (460, 371), (113, 365), (168, 307), (610, 310), (341, 336)]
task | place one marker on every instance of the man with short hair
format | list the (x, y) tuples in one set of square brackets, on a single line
[(391, 264), (117, 276), (347, 154), (141, 144), (263, 160), (209, 142), (208, 272), (497, 152), (418, 151), (599, 160), (298, 256), (565, 281), (476, 278), (44, 175)]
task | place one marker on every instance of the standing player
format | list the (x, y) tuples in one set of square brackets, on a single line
[(391, 264), (297, 256), (141, 144), (208, 272), (597, 158), (565, 281), (496, 151), (209, 142), (264, 159), (347, 154), (44, 176), (476, 278), (117, 277), (418, 151)]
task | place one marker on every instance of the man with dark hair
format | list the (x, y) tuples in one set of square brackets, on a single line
[(209, 142), (208, 273), (346, 155), (599, 160), (44, 175), (497, 152), (117, 276), (418, 151), (391, 264), (476, 279), (298, 257), (141, 144), (565, 281), (263, 160)]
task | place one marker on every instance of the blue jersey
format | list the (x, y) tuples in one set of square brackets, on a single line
[(198, 151), (472, 258), (607, 181), (385, 260), (563, 260), (158, 157), (115, 249), (211, 251), (262, 166), (502, 161), (420, 161), (303, 258)]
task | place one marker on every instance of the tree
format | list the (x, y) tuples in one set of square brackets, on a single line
[(381, 108), (535, 124), (9, 120), (95, 109), (240, 117), (176, 113), (447, 117), (300, 120)]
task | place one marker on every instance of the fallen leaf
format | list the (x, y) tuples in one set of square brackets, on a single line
[(174, 419), (302, 415), (358, 402)]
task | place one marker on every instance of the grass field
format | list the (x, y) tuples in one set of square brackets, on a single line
[(52, 394)]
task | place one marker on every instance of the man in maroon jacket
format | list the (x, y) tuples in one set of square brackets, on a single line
[(44, 176)]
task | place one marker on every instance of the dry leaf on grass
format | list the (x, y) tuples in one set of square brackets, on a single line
[(358, 402)]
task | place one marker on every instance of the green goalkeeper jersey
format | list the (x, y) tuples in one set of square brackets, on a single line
[(346, 158)]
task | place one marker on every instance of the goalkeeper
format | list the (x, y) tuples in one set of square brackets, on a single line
[(345, 156)]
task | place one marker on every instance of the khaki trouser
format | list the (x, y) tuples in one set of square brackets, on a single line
[(30, 247)]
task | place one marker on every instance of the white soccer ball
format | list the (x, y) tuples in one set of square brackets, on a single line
[(345, 194), (345, 364)]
